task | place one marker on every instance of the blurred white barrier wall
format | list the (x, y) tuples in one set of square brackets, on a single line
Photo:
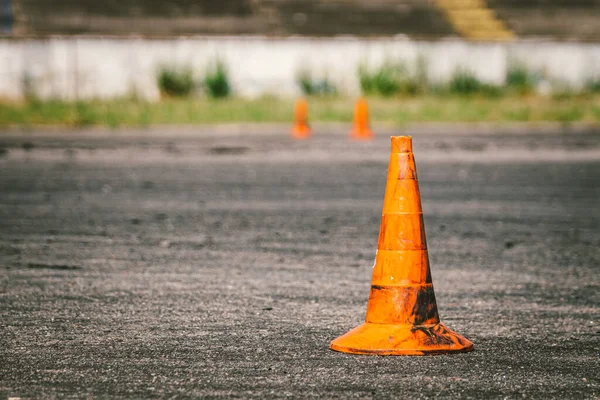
[(83, 68)]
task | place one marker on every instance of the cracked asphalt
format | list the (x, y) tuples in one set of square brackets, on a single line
[(175, 264)]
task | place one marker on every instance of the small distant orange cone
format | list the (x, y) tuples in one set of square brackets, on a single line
[(301, 130), (402, 316), (360, 128)]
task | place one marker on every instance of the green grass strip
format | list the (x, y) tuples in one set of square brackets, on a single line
[(396, 110)]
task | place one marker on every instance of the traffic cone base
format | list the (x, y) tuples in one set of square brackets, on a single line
[(301, 131), (402, 316), (401, 339), (362, 134)]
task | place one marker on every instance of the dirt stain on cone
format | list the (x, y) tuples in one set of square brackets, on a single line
[(402, 316)]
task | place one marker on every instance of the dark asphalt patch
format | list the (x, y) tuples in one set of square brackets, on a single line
[(57, 267), (27, 146), (229, 150), (9, 250)]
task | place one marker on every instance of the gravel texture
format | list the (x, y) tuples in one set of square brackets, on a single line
[(222, 265)]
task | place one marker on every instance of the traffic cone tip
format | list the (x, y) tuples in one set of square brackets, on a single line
[(401, 144)]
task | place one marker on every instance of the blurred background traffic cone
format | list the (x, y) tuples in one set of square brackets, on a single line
[(402, 316), (360, 126), (300, 129)]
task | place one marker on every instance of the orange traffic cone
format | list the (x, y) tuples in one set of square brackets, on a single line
[(301, 130), (402, 316), (360, 129)]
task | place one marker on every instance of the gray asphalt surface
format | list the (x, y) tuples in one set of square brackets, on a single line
[(222, 265)]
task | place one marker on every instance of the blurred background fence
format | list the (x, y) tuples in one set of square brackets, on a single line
[(79, 68), (430, 19), (82, 49)]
